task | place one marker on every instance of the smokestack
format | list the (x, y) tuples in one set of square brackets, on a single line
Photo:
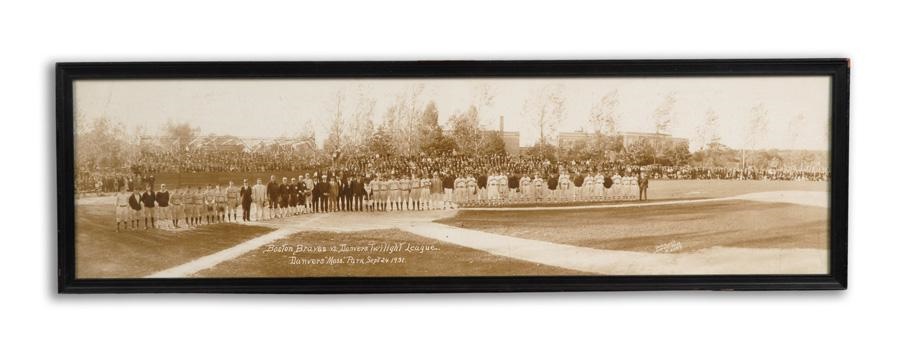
[(501, 124)]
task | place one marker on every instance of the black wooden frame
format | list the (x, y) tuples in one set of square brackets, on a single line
[(837, 69)]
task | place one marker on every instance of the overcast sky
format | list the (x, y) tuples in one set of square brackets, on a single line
[(271, 108)]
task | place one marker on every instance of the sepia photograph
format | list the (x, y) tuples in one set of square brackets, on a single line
[(451, 177)]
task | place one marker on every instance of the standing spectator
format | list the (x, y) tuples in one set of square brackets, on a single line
[(346, 193), (358, 192), (643, 183), (259, 197), (246, 195), (334, 190)]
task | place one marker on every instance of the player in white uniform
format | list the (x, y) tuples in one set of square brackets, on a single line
[(375, 185), (564, 188), (459, 191), (415, 192), (493, 189), (587, 188), (471, 185), (196, 207), (525, 188), (123, 214), (504, 187), (231, 202), (599, 188), (176, 205), (537, 185), (425, 193), (384, 193), (394, 193), (634, 187), (616, 187)]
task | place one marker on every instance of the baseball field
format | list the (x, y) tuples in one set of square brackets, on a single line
[(687, 227)]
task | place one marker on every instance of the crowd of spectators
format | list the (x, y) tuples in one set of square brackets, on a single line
[(143, 169)]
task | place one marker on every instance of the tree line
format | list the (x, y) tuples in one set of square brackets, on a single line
[(412, 126)]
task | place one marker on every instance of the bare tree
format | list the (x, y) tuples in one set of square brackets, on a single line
[(664, 114), (545, 108), (708, 130), (758, 126), (362, 126), (483, 98), (796, 128), (401, 119), (605, 114), (336, 136)]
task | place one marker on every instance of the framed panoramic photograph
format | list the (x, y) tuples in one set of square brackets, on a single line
[(452, 176)]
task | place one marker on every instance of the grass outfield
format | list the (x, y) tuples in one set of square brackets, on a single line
[(102, 253), (659, 189), (421, 257), (672, 228), (688, 189)]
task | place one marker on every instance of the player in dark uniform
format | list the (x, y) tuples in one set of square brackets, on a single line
[(162, 203), (283, 197), (148, 200), (292, 196), (301, 195), (134, 202)]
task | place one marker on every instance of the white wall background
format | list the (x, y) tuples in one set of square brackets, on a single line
[(35, 322)]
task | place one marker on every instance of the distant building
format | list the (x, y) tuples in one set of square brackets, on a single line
[(510, 139), (657, 140)]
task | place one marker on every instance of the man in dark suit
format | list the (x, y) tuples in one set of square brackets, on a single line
[(346, 194), (323, 194), (334, 190), (316, 193), (357, 191), (643, 183), (246, 195)]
